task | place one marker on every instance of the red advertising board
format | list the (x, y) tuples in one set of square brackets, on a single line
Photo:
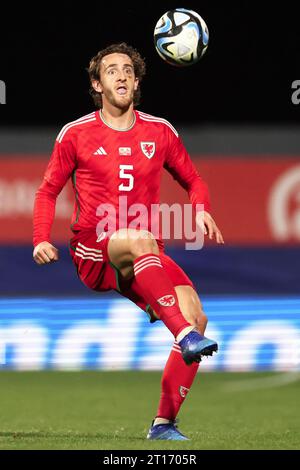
[(254, 200)]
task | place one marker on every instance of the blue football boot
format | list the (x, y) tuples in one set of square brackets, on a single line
[(166, 432), (193, 346)]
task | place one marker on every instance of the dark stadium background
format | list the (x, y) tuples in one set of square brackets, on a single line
[(245, 77)]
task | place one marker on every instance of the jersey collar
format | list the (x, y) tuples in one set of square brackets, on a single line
[(114, 128)]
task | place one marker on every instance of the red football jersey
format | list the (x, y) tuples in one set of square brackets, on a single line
[(106, 163)]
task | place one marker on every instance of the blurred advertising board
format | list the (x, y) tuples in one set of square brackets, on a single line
[(254, 200), (72, 333)]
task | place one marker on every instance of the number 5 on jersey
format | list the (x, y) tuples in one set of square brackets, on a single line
[(125, 175)]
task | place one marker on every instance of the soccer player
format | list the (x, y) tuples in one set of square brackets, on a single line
[(119, 151)]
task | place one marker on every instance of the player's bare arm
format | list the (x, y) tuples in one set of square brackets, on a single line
[(45, 253)]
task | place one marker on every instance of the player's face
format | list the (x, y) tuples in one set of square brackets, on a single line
[(117, 80)]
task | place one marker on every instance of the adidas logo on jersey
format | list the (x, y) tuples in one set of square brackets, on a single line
[(100, 151)]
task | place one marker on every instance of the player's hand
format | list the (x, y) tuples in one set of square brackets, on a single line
[(209, 226), (45, 253)]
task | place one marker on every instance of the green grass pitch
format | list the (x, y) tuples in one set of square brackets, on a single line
[(113, 410)]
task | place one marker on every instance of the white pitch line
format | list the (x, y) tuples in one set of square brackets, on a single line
[(278, 380)]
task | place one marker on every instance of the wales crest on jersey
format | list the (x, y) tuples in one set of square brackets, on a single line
[(148, 149)]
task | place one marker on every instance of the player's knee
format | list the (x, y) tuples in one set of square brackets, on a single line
[(143, 243)]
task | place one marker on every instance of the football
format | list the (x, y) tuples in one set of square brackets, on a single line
[(181, 37)]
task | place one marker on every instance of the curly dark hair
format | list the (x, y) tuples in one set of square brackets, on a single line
[(121, 48)]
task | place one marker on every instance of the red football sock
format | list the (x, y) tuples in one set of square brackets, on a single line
[(159, 292), (176, 381)]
